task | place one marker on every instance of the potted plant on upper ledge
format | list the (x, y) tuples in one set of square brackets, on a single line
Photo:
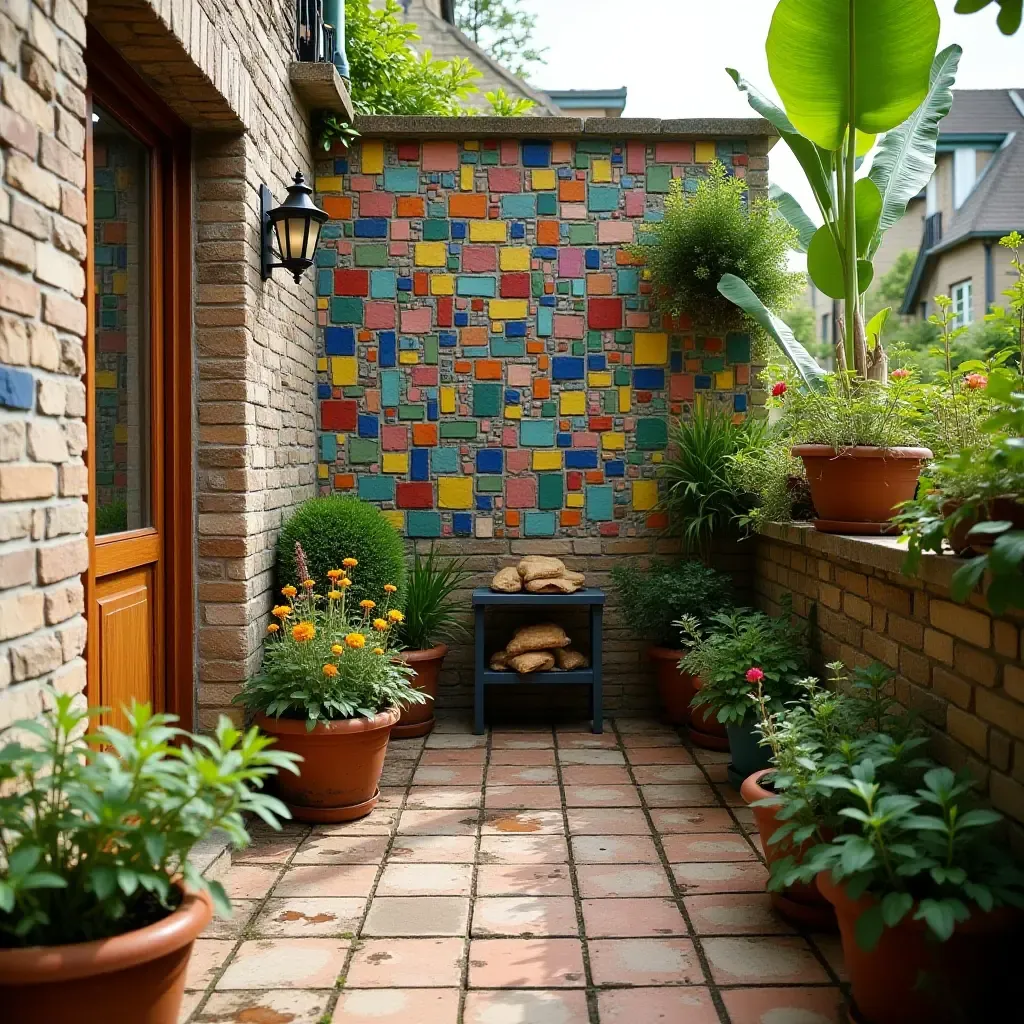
[(99, 903)]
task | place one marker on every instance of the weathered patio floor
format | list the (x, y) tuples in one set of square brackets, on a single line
[(531, 876)]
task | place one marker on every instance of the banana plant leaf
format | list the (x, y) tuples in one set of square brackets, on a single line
[(793, 213), (737, 291), (906, 156), (864, 64)]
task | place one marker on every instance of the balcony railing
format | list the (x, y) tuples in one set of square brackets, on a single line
[(932, 231), (314, 40)]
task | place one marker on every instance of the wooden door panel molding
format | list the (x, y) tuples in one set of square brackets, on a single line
[(127, 552)]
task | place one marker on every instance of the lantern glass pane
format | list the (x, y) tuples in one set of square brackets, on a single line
[(311, 241), (291, 232)]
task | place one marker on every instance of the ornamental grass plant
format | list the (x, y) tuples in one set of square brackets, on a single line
[(329, 657)]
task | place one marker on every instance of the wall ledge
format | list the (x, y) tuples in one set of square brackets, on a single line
[(381, 126), (885, 553)]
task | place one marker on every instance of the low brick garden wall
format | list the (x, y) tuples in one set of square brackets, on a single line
[(957, 665)]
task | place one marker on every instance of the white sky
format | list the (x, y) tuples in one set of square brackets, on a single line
[(671, 54)]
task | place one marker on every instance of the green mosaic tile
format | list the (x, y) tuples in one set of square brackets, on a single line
[(581, 161), (489, 158), (582, 234), (599, 147), (651, 434), (444, 460), (376, 488), (435, 230), (536, 283), (489, 484), (430, 349), (611, 402), (600, 503), (486, 399), (621, 377), (548, 409), (507, 348), (635, 458), (346, 311), (363, 450), (737, 348), (562, 287), (623, 337), (422, 524), (658, 177), (412, 411), (371, 255), (579, 348), (539, 524), (461, 429), (547, 204), (711, 364), (550, 488)]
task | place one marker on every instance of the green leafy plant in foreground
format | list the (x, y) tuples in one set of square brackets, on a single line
[(96, 830), (431, 612)]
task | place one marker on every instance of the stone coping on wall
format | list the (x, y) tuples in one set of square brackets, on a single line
[(566, 127), (885, 553)]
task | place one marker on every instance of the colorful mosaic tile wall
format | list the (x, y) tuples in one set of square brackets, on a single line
[(492, 363)]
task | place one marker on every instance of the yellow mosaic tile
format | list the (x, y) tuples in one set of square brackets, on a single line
[(625, 398), (447, 398), (487, 231), (705, 152), (322, 471), (395, 462), (599, 379), (514, 258), (466, 177), (442, 284), (645, 494), (394, 517), (513, 412), (321, 365), (543, 180), (431, 254), (330, 183), (547, 460), (650, 349), (408, 357), (600, 170), (723, 380), (572, 403), (574, 501), (613, 442), (454, 492), (507, 309), (344, 371), (373, 156)]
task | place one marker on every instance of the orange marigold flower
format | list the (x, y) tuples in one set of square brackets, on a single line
[(976, 381), (345, 582), (368, 604), (355, 640), (289, 591), (303, 631), (390, 588), (273, 628), (309, 584), (282, 611), (380, 624), (395, 615), (333, 574), (334, 595), (337, 649), (330, 670), (350, 563), (378, 650)]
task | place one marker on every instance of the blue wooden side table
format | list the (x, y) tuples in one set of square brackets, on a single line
[(591, 597)]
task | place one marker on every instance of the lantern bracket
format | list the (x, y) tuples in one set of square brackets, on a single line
[(267, 252)]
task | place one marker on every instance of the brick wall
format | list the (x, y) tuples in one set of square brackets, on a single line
[(957, 665), (42, 326)]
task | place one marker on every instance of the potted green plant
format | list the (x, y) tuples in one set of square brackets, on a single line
[(431, 617), (737, 654), (99, 902), (810, 739), (330, 690), (652, 598), (929, 902)]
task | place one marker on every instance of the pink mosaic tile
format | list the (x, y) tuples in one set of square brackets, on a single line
[(295, 1006), (532, 822), (625, 821), (614, 850), (420, 963), (285, 963), (600, 881), (397, 1006), (524, 916), (534, 797), (448, 775), (708, 846), (312, 917), (721, 876), (520, 1007), (327, 880), (670, 961), (632, 918), (425, 880), (768, 1005), (751, 961), (669, 821), (735, 914), (342, 850), (443, 797), (601, 796), (526, 963), (658, 1006), (433, 849), (208, 956), (523, 849), (438, 823)]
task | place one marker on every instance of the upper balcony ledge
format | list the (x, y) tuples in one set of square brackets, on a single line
[(320, 87)]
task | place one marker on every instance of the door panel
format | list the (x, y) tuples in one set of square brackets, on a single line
[(124, 614)]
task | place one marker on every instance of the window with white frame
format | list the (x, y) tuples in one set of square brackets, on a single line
[(931, 196), (962, 303), (965, 174)]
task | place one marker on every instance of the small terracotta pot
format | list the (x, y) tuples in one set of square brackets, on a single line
[(341, 765), (675, 687), (856, 490), (911, 978), (418, 719), (705, 729), (138, 976), (802, 902)]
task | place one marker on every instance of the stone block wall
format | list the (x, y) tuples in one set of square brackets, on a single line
[(957, 665), (43, 478), (494, 374)]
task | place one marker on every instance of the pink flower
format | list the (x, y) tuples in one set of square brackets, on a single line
[(779, 389), (976, 381), (754, 675), (901, 374)]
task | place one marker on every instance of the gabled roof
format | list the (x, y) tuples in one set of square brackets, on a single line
[(577, 99), (981, 111)]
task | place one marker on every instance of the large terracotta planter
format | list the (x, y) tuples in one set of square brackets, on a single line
[(911, 978), (418, 719), (341, 765), (675, 687), (705, 729), (802, 902), (856, 490), (137, 977)]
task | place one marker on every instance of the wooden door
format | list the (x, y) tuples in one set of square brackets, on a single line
[(138, 369)]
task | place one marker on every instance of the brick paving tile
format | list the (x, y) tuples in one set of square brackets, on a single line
[(397, 1006), (530, 876)]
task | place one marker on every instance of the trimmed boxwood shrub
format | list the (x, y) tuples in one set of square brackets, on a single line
[(333, 528)]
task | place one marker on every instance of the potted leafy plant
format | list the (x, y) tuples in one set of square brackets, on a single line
[(431, 617), (811, 738), (652, 599), (855, 437), (929, 902), (331, 690), (99, 903), (737, 654)]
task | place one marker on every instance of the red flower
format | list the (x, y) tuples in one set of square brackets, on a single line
[(976, 381), (779, 389), (900, 374), (754, 675)]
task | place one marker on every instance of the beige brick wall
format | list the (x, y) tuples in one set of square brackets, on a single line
[(42, 326), (956, 665)]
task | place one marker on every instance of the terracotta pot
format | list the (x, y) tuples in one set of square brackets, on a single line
[(856, 490), (1006, 507), (802, 902), (705, 729), (137, 977), (911, 978), (341, 765), (418, 719), (675, 687)]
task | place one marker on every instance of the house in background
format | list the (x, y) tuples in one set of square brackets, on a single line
[(590, 102), (975, 197)]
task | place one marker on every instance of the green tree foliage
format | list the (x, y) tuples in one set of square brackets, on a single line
[(502, 29), (710, 233), (1008, 19), (893, 284), (802, 323)]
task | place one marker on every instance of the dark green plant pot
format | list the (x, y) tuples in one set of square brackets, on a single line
[(748, 756)]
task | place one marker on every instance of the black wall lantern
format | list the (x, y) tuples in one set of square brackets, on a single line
[(294, 226)]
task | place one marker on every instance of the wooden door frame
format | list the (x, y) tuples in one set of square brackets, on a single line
[(120, 90)]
